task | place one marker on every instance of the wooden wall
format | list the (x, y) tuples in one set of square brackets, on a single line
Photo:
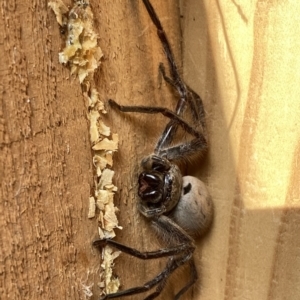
[(241, 57)]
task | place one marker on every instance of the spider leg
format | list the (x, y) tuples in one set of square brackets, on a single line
[(162, 71), (179, 254), (172, 265), (184, 150), (138, 289), (166, 45), (159, 280), (175, 81), (158, 290), (154, 110), (166, 227), (192, 98), (198, 144), (191, 282), (187, 95), (196, 107), (143, 255)]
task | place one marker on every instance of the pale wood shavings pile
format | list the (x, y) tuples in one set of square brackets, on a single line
[(111, 284), (82, 55)]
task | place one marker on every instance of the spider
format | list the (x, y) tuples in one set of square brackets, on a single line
[(177, 206)]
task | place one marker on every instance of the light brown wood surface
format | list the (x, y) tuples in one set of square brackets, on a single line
[(241, 57)]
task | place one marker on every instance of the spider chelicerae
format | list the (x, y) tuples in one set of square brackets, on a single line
[(178, 207)]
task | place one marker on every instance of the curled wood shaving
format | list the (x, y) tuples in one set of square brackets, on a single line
[(107, 144)]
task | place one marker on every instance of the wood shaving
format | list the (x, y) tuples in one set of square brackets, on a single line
[(59, 9), (110, 219), (108, 157), (82, 55), (107, 144), (107, 216), (111, 283), (100, 164), (81, 52), (95, 102), (92, 208), (106, 179), (87, 290), (103, 129), (94, 132), (104, 197)]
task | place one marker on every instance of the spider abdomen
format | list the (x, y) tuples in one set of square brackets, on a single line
[(194, 211)]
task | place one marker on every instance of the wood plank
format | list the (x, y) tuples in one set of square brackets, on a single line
[(243, 58)]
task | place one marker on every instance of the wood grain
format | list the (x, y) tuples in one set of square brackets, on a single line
[(241, 57), (244, 61), (46, 168)]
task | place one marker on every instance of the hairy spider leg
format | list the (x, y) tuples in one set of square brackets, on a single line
[(193, 279), (176, 79), (187, 95), (160, 280), (141, 255), (178, 256), (197, 144), (170, 268), (175, 82)]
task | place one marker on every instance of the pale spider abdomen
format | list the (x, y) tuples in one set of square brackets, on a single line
[(194, 211)]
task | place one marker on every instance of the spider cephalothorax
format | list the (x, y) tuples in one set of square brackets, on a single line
[(160, 186), (177, 206)]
